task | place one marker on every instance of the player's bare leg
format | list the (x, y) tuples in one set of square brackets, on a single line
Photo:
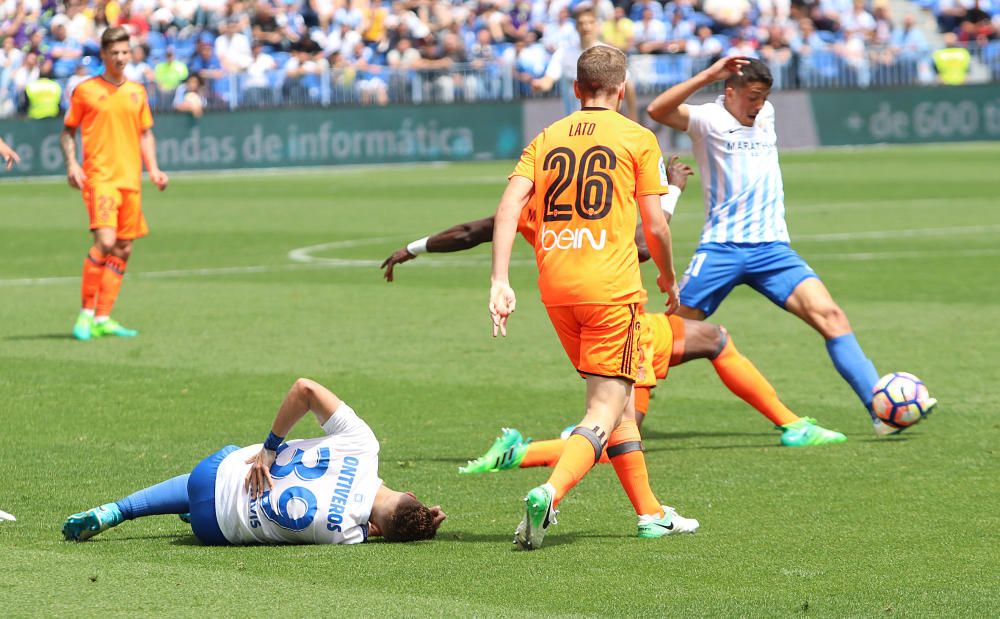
[(812, 302)]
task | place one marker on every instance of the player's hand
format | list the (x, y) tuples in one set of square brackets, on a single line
[(9, 155), (669, 286), (502, 303), (724, 68), (399, 256), (678, 172), (259, 474), (76, 177), (439, 516), (159, 179)]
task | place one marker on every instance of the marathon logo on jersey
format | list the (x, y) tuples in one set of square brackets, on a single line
[(341, 493), (664, 181), (573, 238), (749, 147)]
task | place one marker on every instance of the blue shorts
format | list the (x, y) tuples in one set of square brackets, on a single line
[(201, 498), (772, 269)]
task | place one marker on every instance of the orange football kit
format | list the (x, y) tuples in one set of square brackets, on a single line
[(111, 119), (588, 169)]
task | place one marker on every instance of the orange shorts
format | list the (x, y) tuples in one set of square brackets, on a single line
[(601, 340), (661, 346), (111, 207), (667, 337)]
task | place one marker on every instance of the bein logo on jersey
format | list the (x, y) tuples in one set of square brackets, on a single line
[(572, 238)]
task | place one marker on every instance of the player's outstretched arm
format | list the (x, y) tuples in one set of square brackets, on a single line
[(677, 175), (304, 396), (502, 300), (456, 238), (658, 239), (147, 147), (669, 108), (8, 154)]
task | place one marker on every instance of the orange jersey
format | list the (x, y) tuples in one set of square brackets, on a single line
[(110, 119), (526, 224), (588, 170)]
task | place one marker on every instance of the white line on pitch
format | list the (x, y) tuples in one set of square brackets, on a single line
[(890, 234), (302, 258)]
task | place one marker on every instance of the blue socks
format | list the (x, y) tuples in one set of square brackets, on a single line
[(168, 497), (857, 369)]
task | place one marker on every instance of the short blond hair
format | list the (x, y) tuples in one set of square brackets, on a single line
[(601, 68)]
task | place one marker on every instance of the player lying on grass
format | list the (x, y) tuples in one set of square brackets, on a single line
[(313, 491), (666, 341), (745, 239)]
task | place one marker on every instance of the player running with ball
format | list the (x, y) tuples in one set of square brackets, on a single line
[(113, 116), (745, 239), (585, 176)]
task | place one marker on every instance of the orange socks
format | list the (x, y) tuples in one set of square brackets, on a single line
[(111, 282), (577, 459), (546, 453), (625, 450), (93, 272), (746, 381), (543, 453)]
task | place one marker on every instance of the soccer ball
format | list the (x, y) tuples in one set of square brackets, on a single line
[(901, 399)]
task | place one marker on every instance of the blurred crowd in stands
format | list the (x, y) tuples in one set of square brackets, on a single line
[(199, 54)]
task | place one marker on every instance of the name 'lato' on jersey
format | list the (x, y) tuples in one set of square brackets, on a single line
[(588, 170)]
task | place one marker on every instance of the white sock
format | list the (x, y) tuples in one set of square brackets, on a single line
[(88, 312), (101, 319)]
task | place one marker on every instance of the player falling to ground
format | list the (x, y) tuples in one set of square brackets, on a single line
[(665, 341), (745, 239), (116, 126), (561, 68), (583, 176), (314, 491), (8, 154)]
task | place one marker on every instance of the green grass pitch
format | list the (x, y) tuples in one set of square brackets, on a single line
[(907, 239)]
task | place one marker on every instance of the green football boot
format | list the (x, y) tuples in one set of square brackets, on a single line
[(538, 515), (670, 523), (112, 327), (85, 525), (83, 327), (805, 433), (506, 453)]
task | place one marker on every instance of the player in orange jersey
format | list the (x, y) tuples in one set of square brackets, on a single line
[(116, 126), (666, 341), (585, 177)]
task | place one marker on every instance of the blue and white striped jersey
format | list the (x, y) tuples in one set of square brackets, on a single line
[(323, 493), (740, 175)]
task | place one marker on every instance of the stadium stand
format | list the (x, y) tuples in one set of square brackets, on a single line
[(331, 52)]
